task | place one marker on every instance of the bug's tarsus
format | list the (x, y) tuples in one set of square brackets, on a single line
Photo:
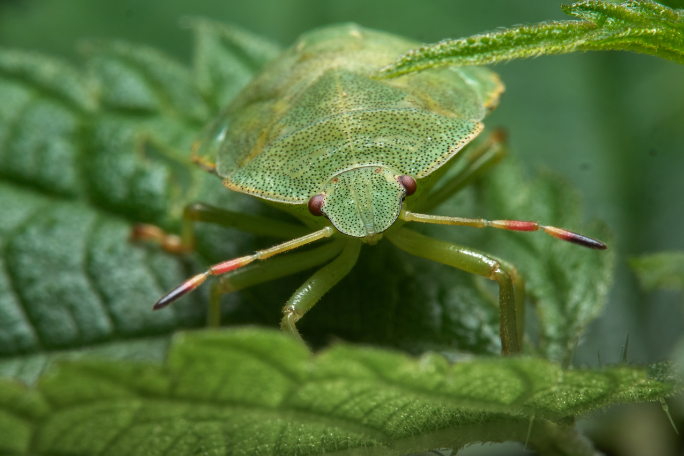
[(510, 225), (169, 242)]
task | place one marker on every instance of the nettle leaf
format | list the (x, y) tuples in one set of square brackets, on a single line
[(641, 26), (73, 178), (138, 78), (568, 284), (71, 278), (44, 102), (663, 270), (226, 58), (258, 392)]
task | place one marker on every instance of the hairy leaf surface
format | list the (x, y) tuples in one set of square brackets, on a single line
[(256, 391), (642, 26)]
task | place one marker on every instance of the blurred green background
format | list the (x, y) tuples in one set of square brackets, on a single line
[(612, 123)]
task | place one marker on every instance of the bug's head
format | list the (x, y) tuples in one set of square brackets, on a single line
[(362, 202)]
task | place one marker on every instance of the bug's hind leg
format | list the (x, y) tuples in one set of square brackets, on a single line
[(317, 285), (484, 157), (263, 272), (511, 308), (200, 212)]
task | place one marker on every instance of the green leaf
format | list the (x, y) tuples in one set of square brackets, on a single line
[(641, 26), (68, 275), (71, 278), (44, 101), (256, 391), (138, 78), (568, 284), (226, 58), (660, 270), (19, 408)]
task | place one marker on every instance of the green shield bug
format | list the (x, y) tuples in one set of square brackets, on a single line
[(355, 159)]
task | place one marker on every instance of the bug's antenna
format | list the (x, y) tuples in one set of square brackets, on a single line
[(511, 225), (231, 265)]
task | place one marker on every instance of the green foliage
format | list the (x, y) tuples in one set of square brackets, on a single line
[(663, 271), (259, 392), (640, 26), (660, 270), (226, 58), (84, 154)]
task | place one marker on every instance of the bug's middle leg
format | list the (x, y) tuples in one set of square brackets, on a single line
[(511, 307), (317, 285)]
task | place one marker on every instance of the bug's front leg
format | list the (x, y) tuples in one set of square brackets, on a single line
[(511, 307), (267, 271), (317, 285)]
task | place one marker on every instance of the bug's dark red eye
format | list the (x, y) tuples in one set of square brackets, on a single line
[(316, 204), (408, 183)]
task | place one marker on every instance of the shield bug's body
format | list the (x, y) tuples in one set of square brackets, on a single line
[(354, 158)]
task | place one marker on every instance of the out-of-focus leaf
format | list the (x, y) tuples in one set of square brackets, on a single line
[(142, 79), (568, 284), (71, 278), (640, 26), (250, 391), (660, 270), (226, 58), (28, 368), (44, 102), (20, 408)]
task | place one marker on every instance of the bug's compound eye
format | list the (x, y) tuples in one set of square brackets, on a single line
[(408, 183), (316, 204)]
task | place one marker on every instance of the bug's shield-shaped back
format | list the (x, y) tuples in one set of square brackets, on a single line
[(363, 202)]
